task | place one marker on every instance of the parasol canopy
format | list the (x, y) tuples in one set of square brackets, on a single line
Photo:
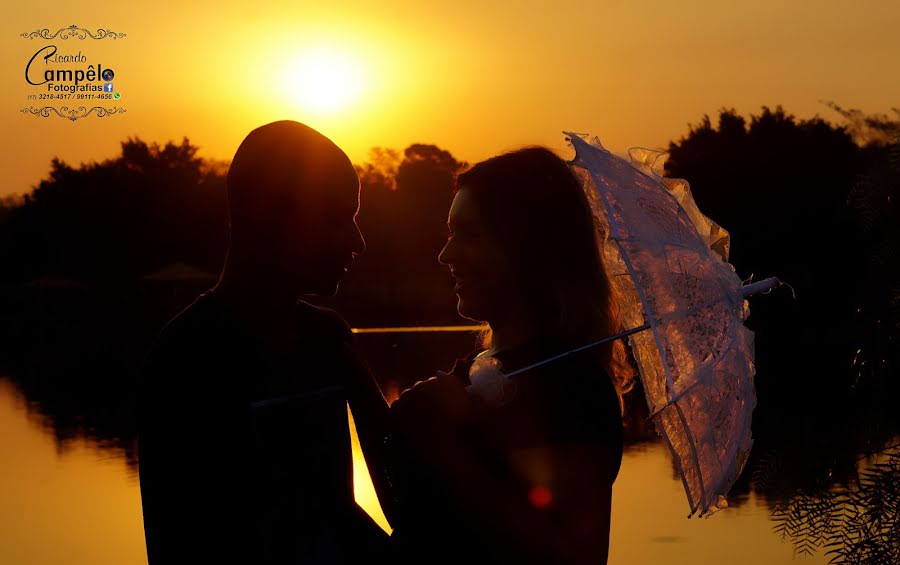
[(669, 265)]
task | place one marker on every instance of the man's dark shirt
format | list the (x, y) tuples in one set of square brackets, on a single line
[(245, 455)]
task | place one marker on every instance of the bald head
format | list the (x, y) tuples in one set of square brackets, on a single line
[(292, 199), (282, 166)]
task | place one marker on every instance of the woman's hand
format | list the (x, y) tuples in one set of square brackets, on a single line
[(433, 407), (430, 414)]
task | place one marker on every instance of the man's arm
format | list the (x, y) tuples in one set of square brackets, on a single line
[(187, 515), (367, 403)]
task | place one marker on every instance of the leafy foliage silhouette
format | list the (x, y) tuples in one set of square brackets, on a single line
[(855, 523)]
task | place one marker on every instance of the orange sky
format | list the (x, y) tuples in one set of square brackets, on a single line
[(476, 79)]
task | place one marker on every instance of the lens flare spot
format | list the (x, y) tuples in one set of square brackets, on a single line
[(540, 496)]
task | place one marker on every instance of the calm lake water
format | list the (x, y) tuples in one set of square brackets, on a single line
[(81, 505)]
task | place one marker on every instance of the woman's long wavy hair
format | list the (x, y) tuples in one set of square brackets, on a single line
[(536, 208)]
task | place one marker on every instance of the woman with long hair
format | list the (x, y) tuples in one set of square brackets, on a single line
[(524, 477)]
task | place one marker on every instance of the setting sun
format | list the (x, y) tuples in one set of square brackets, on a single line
[(323, 81)]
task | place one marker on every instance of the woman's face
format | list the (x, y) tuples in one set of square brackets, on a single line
[(480, 265)]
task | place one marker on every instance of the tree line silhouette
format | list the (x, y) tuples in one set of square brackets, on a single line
[(110, 223)]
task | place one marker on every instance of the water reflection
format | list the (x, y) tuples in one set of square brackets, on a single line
[(81, 507), (69, 455), (77, 506)]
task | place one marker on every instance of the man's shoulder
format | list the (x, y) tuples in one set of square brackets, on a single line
[(322, 323), (203, 313), (186, 332)]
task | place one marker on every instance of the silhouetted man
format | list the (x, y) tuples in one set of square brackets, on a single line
[(244, 442)]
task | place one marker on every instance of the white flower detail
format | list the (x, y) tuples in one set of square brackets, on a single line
[(489, 383)]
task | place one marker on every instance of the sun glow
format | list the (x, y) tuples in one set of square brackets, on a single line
[(324, 81)]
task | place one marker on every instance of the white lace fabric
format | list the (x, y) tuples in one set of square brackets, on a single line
[(668, 263)]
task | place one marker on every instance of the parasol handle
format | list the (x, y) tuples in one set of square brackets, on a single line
[(764, 285), (626, 333)]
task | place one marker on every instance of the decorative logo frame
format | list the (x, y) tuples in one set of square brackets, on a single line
[(80, 33)]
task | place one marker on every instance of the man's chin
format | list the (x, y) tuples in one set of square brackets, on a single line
[(469, 311), (325, 288)]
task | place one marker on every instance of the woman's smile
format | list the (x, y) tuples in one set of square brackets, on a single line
[(461, 280)]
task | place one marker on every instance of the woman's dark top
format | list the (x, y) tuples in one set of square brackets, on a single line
[(570, 400)]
